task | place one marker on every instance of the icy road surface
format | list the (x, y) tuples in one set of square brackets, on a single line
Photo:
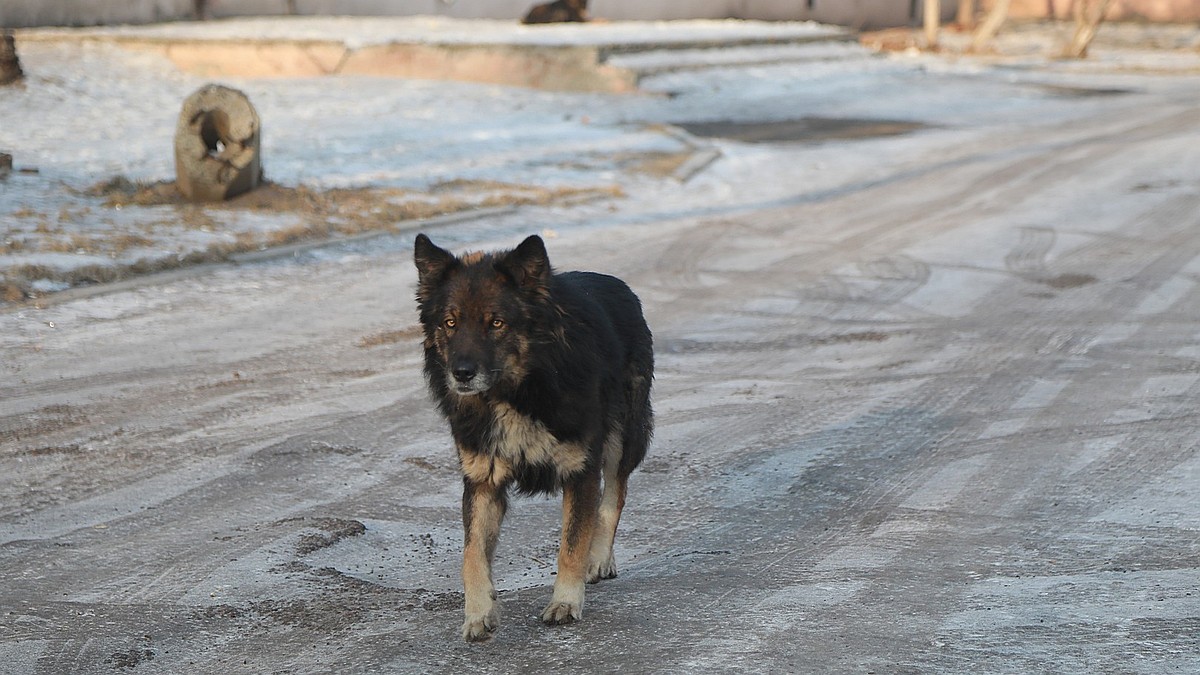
[(926, 403)]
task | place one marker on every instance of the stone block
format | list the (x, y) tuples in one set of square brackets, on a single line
[(218, 142), (10, 65)]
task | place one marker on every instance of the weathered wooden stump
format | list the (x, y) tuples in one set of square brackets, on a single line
[(10, 65), (217, 145)]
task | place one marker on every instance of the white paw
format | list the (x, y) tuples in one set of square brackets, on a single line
[(558, 613), (480, 628), (600, 570)]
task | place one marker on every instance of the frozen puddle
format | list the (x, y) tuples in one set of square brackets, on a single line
[(803, 130)]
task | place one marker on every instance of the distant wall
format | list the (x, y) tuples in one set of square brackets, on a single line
[(855, 13), (19, 13), (888, 12)]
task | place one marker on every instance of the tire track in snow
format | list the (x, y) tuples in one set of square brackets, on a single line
[(918, 483)]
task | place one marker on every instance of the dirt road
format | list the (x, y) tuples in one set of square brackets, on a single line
[(938, 418)]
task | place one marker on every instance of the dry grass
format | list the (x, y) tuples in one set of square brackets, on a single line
[(389, 337), (660, 164), (12, 245), (11, 292), (74, 243), (344, 210), (319, 215), (656, 164), (123, 241)]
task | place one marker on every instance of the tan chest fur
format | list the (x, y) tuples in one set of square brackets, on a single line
[(516, 440)]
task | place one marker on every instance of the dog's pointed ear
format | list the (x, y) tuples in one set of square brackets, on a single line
[(432, 263), (528, 264)]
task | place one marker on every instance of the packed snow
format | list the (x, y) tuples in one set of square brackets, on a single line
[(91, 113)]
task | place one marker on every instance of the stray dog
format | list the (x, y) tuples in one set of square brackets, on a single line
[(545, 380), (560, 11)]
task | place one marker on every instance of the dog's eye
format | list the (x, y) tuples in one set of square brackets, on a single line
[(497, 323), (449, 323)]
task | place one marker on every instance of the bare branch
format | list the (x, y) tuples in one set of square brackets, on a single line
[(1088, 16), (990, 26)]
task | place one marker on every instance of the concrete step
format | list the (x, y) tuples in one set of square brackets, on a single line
[(658, 61), (599, 56)]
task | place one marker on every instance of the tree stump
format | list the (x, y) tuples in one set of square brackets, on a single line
[(10, 65), (5, 164), (217, 145)]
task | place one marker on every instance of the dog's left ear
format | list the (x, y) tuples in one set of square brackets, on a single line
[(528, 264)]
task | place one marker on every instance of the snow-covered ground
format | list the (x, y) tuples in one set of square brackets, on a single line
[(365, 154), (924, 388)]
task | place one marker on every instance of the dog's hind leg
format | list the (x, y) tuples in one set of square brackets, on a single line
[(484, 505), (601, 564), (623, 451), (580, 497)]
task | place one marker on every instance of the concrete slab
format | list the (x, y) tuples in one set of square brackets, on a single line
[(559, 57)]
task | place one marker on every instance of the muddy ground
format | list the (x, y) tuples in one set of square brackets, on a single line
[(937, 416)]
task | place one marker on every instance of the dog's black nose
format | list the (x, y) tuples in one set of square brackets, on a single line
[(464, 372)]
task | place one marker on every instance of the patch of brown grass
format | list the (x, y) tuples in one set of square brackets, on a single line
[(119, 191), (19, 273), (658, 164), (388, 337), (10, 246), (74, 243), (123, 241), (321, 214), (11, 292)]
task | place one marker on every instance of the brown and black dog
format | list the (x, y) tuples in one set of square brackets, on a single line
[(545, 380), (560, 11)]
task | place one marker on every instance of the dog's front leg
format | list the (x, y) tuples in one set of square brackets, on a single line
[(483, 505), (580, 497)]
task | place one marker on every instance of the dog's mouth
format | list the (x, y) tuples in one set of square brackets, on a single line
[(476, 385)]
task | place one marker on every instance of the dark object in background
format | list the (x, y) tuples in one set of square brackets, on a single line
[(560, 11), (10, 65)]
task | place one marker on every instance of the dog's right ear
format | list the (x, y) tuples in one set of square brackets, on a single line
[(432, 264)]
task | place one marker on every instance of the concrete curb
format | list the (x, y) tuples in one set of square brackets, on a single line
[(703, 153)]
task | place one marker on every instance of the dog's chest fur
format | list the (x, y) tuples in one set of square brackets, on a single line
[(517, 447)]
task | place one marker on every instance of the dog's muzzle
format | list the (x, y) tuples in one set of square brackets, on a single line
[(468, 378)]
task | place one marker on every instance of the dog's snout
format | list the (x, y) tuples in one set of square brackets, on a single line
[(464, 371)]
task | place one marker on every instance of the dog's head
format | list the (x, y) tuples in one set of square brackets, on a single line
[(481, 313)]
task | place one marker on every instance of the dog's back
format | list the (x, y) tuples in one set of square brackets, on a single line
[(617, 306)]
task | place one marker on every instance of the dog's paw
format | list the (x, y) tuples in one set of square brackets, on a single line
[(481, 628), (559, 613), (600, 570)]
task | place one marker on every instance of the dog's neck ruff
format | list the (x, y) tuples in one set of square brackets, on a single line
[(520, 439)]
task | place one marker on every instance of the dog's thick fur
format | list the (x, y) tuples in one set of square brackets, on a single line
[(545, 380), (559, 11)]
